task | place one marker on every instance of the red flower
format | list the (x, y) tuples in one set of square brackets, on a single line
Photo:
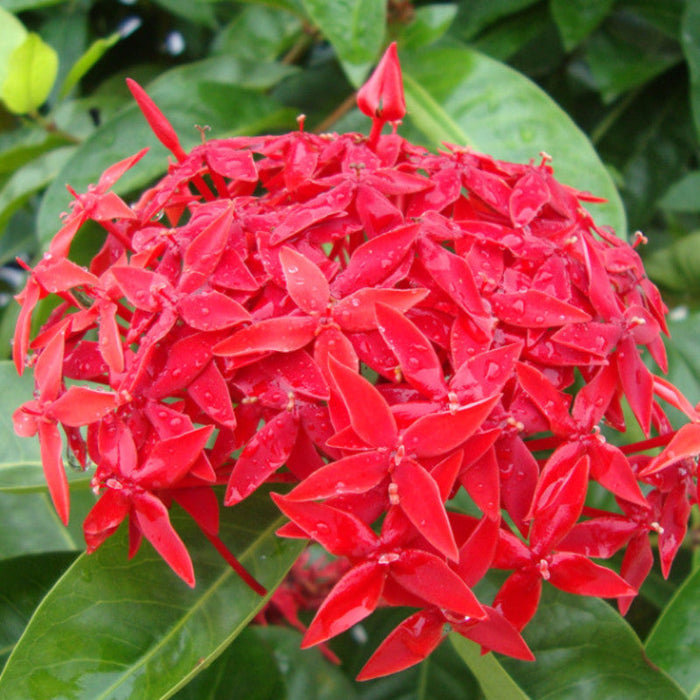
[(391, 332)]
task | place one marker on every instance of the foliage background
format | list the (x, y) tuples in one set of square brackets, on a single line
[(625, 72)]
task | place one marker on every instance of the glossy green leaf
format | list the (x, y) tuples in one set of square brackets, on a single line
[(585, 649), (294, 6), (31, 72), (428, 24), (29, 524), (12, 36), (223, 93), (21, 5), (199, 11), (25, 581), (690, 40), (458, 95), (682, 348), (684, 195), (258, 33), (267, 663), (20, 461), (665, 16), (25, 182), (113, 628), (513, 34), (476, 15), (627, 52), (576, 19), (356, 30), (94, 53), (650, 143), (674, 643), (247, 664), (677, 266), (495, 682), (22, 145), (442, 675)]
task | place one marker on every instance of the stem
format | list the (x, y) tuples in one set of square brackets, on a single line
[(658, 441), (612, 116), (50, 127), (224, 551), (341, 110)]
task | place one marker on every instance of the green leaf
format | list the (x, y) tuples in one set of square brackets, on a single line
[(25, 182), (29, 524), (267, 663), (356, 30), (683, 195), (674, 642), (94, 53), (20, 461), (576, 19), (294, 6), (12, 36), (199, 11), (31, 72), (19, 146), (690, 40), (247, 664), (585, 649), (21, 5), (221, 92), (495, 682), (258, 33), (650, 142), (682, 347), (514, 33), (627, 52), (456, 94), (476, 15), (25, 581), (112, 628), (429, 23), (677, 266)]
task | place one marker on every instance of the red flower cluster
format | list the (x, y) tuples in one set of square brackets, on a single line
[(424, 344)]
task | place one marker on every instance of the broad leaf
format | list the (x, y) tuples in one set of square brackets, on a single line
[(628, 52), (458, 95), (428, 24), (221, 92), (683, 195), (495, 682), (25, 581), (12, 35), (676, 266), (684, 362), (584, 648), (31, 72), (20, 462), (267, 663), (112, 628), (258, 33), (576, 19), (87, 60), (674, 642), (475, 15), (29, 524), (25, 182), (356, 30), (690, 39)]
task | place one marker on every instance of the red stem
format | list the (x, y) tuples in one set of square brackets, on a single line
[(223, 550)]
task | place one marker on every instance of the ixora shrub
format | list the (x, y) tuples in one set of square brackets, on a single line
[(423, 346)]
